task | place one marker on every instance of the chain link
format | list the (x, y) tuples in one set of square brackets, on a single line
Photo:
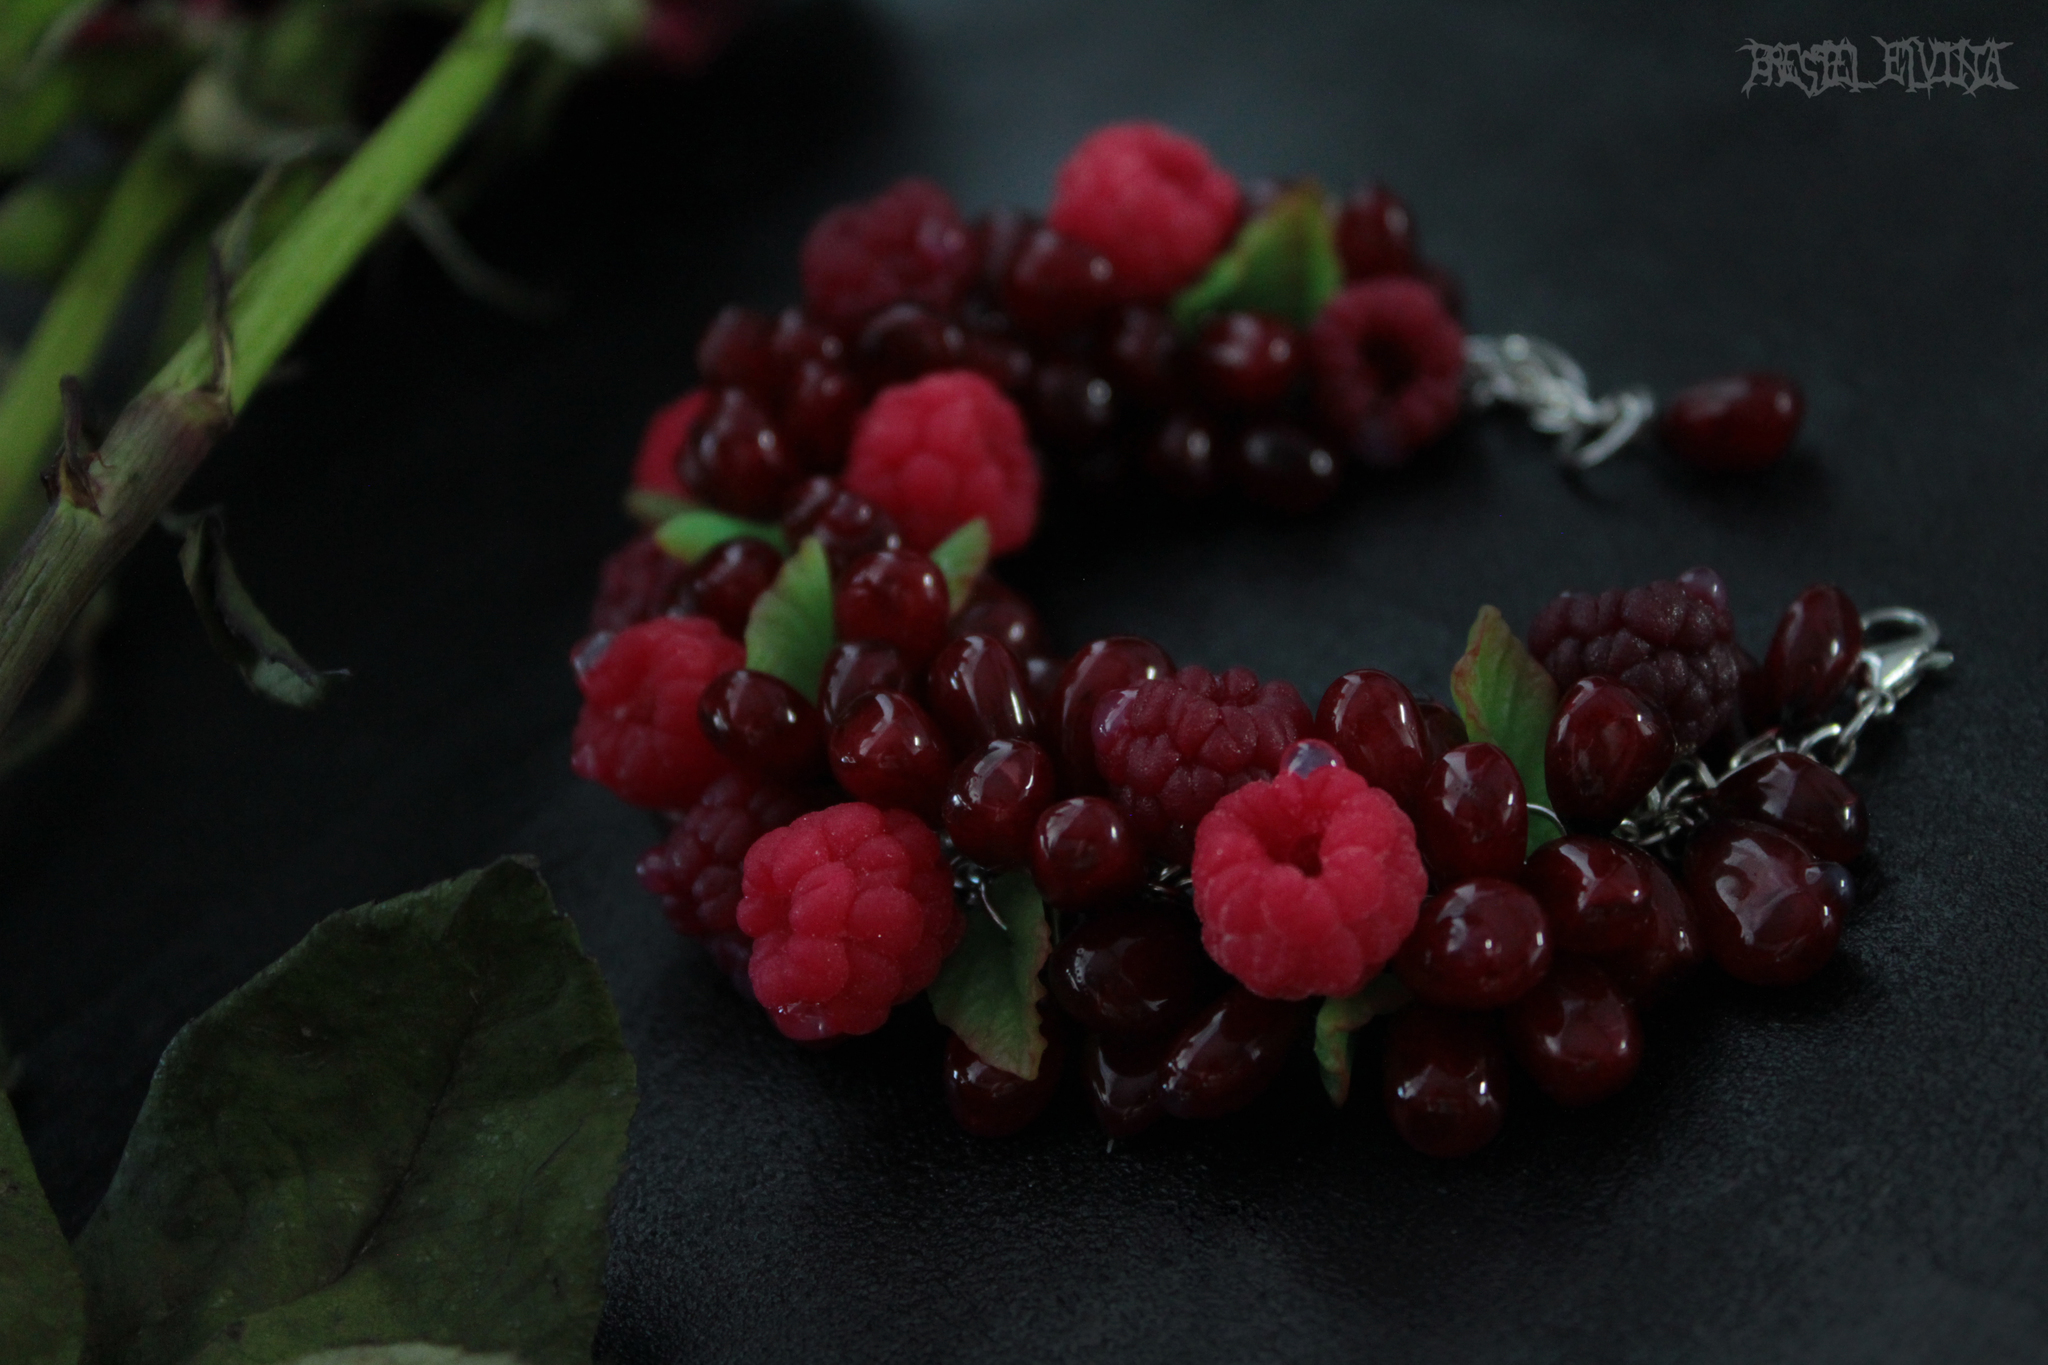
[(1532, 374)]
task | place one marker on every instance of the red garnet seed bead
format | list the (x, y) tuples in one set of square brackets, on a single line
[(1057, 285), (1575, 1035), (1441, 726), (1002, 615), (1445, 1072), (1123, 1077), (736, 461), (887, 752), (1607, 747), (1647, 972), (1286, 469), (1084, 854), (1479, 945), (898, 596), (1373, 720), (1813, 653), (1769, 911), (1186, 457), (1733, 425), (734, 353), (726, 579), (1227, 1055), (1129, 974), (1471, 817), (978, 692), (1376, 235), (1596, 893), (818, 414), (1143, 355), (996, 797), (846, 524), (1804, 797), (1246, 362), (860, 668), (1101, 667), (762, 724), (990, 1102)]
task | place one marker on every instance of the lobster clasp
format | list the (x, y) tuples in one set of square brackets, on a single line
[(1900, 646)]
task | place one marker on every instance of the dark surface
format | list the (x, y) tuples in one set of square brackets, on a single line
[(1855, 1169)]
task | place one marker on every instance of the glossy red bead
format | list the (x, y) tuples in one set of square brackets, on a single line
[(763, 725), (1072, 407), (736, 461), (734, 353), (978, 692), (1057, 285), (1084, 854), (1471, 817), (1186, 457), (995, 611), (1132, 973), (886, 751), (1478, 945), (1143, 356), (1443, 727), (898, 596), (860, 668), (1246, 362), (1813, 653), (1227, 1055), (1123, 1076), (1740, 423), (1768, 911), (1607, 747), (1444, 1078), (1596, 893), (847, 525), (1372, 719), (1096, 669), (995, 799), (1575, 1034), (1376, 234), (819, 408), (1648, 971), (1285, 468), (905, 341), (1805, 798), (990, 1102), (727, 579), (797, 339)]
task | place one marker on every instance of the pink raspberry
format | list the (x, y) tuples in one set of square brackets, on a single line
[(639, 582), (941, 451), (851, 911), (906, 245), (1389, 368), (1173, 747), (638, 733), (1306, 885), (661, 445), (1149, 199), (696, 870)]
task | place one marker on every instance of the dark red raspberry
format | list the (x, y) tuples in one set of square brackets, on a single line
[(851, 911), (696, 870), (638, 733), (1151, 200), (1670, 640), (905, 244), (661, 446), (1173, 747), (937, 453), (1389, 368), (1306, 885), (638, 583)]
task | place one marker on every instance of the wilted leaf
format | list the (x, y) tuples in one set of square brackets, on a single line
[(988, 990), (1507, 699), (1284, 263), (791, 629), (690, 534), (961, 557), (239, 630), (1340, 1017), (42, 1308), (407, 1128)]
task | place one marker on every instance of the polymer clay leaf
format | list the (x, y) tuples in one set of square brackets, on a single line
[(42, 1307), (651, 507), (406, 1128), (961, 557), (988, 990), (693, 533), (236, 626), (1284, 264), (1340, 1017), (790, 631), (1507, 699)]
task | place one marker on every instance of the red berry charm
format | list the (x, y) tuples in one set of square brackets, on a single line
[(1770, 912), (905, 244), (1471, 816), (1576, 1035), (1084, 854), (1807, 800), (897, 597), (638, 733), (1151, 201), (696, 870), (1733, 425), (1389, 364), (1595, 893), (937, 453), (661, 447), (1813, 653), (1445, 1074), (1607, 748), (1480, 945)]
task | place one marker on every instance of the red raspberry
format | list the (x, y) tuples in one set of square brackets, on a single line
[(638, 733), (1149, 199), (661, 446), (696, 870), (1173, 747), (1389, 365), (1672, 641), (905, 244), (851, 911), (1306, 885), (638, 583), (939, 452)]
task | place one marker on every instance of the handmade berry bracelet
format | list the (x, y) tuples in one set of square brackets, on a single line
[(884, 784)]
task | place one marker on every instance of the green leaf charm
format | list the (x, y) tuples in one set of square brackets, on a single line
[(42, 1307), (239, 630), (406, 1128), (690, 534), (988, 990), (961, 557), (1339, 1018), (1284, 263), (651, 508), (791, 631), (1507, 699)]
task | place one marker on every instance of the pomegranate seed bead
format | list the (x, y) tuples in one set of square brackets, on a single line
[(1471, 817), (1057, 285), (846, 524), (906, 341), (1227, 1055), (1186, 457), (763, 725), (734, 353), (1306, 756), (1372, 719), (999, 360), (1097, 669), (1441, 726), (1286, 469), (1073, 409), (1575, 1035), (1813, 653), (797, 339), (860, 668), (1733, 425), (1375, 235), (1129, 974), (887, 752), (990, 1102), (1607, 747), (1247, 362), (1769, 912), (736, 461), (1648, 972), (1479, 945), (898, 596), (1002, 615), (726, 580), (996, 797), (1445, 1071), (1123, 1077), (1596, 893), (1143, 356), (1805, 798), (818, 412), (978, 692), (1085, 855)]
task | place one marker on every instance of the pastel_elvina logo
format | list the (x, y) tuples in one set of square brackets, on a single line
[(1918, 65)]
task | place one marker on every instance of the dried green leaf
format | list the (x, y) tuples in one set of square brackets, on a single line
[(988, 990), (1507, 699), (406, 1128), (961, 557), (790, 631), (1340, 1017), (42, 1307), (1284, 263), (237, 627), (690, 534)]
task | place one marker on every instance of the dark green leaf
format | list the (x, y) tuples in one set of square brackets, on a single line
[(1339, 1018), (988, 990), (652, 508), (239, 630), (407, 1128), (790, 631), (409, 1353), (42, 1308), (1508, 700), (690, 534), (961, 557), (1284, 263)]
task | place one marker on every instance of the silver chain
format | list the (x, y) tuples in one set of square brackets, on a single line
[(1531, 374)]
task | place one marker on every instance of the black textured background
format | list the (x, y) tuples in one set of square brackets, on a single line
[(1852, 1170)]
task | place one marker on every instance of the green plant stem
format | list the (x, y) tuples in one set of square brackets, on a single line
[(167, 431)]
